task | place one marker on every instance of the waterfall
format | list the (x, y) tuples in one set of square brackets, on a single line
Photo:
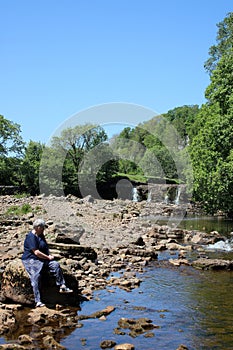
[(178, 192), (135, 194), (166, 199), (149, 196)]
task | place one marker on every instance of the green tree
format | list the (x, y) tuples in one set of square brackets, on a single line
[(211, 153), (220, 89), (30, 167), (75, 142), (224, 43), (11, 151), (78, 155), (11, 142), (211, 147), (182, 119)]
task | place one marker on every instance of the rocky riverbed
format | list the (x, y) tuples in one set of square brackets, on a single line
[(91, 239)]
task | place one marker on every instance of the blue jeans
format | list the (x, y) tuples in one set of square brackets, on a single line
[(34, 268)]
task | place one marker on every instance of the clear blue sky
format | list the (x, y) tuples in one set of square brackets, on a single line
[(59, 57)]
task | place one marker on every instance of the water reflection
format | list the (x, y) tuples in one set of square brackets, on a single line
[(191, 307), (212, 293), (201, 223)]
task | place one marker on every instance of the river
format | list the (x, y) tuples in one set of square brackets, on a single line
[(190, 307)]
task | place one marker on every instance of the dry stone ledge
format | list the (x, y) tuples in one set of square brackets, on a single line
[(16, 286), (68, 250)]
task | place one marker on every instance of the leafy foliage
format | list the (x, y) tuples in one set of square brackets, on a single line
[(155, 148), (30, 167), (11, 143), (224, 43), (78, 153), (211, 148)]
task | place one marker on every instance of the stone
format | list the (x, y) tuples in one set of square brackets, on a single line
[(178, 262), (15, 284), (182, 347), (12, 346), (106, 344), (68, 250), (109, 309), (7, 320), (213, 264), (124, 346), (50, 343), (25, 339)]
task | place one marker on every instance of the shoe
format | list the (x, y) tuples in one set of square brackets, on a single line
[(39, 304), (65, 290)]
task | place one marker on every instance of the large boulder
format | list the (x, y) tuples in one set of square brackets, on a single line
[(16, 286)]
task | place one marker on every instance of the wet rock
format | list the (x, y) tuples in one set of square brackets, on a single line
[(12, 346), (7, 320), (98, 314), (25, 339), (107, 344), (178, 262), (213, 264), (124, 346), (203, 238), (182, 347), (50, 343), (127, 284), (136, 326), (141, 252)]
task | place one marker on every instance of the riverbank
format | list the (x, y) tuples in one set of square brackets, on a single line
[(125, 246)]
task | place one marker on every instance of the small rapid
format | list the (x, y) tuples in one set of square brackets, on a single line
[(226, 246)]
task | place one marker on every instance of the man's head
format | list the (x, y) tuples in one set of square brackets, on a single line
[(39, 223), (39, 226)]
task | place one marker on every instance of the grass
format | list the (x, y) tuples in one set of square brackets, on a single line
[(18, 210), (145, 179)]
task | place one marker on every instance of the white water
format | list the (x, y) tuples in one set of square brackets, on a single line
[(221, 245), (177, 199), (135, 194), (149, 196)]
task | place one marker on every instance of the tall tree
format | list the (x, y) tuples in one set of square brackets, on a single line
[(30, 167), (11, 152), (75, 158), (211, 148), (220, 89), (224, 43), (75, 142), (11, 142)]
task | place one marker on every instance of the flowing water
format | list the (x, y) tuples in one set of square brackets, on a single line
[(189, 306)]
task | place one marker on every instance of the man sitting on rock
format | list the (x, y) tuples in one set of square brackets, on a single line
[(36, 257)]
